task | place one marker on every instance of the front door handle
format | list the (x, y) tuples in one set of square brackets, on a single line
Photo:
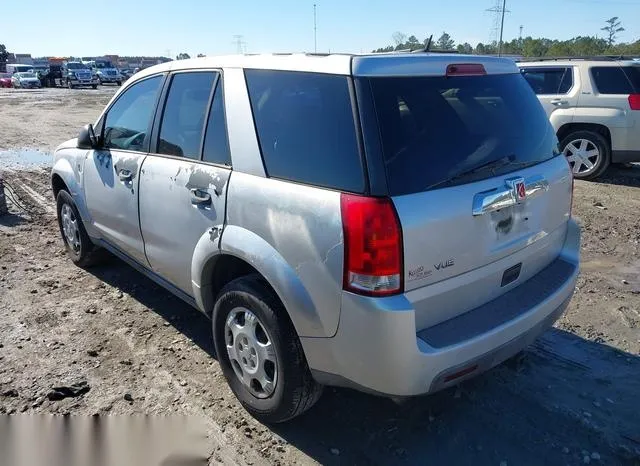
[(559, 102), (200, 197), (125, 175)]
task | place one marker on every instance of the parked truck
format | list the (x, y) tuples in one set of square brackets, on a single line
[(105, 71)]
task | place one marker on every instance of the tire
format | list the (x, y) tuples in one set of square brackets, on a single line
[(94, 86), (577, 145), (119, 83), (84, 253), (69, 85), (294, 390)]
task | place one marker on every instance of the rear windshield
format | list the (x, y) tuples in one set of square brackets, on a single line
[(442, 131)]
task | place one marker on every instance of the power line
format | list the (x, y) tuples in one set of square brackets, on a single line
[(498, 11), (241, 45)]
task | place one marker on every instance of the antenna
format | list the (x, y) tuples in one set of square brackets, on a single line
[(241, 45), (315, 30)]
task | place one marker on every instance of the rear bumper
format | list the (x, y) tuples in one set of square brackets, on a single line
[(377, 347)]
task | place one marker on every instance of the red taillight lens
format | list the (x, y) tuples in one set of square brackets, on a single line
[(466, 69), (634, 101), (372, 246)]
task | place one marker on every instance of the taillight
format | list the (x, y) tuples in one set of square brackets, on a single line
[(466, 69), (634, 101), (372, 246)]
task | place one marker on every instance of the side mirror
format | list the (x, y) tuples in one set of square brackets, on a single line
[(87, 138)]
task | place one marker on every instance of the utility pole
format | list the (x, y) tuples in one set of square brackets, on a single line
[(315, 29), (504, 6), (521, 28)]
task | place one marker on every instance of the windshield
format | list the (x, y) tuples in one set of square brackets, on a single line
[(103, 64), (26, 75), (76, 66), (434, 129)]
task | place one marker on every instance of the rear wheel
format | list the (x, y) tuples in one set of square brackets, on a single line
[(260, 353), (588, 154)]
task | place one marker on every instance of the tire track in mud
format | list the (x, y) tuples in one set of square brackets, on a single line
[(29, 191)]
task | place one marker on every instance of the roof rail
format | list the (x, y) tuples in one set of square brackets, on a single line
[(583, 58)]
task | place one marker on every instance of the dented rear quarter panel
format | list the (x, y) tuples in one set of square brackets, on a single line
[(291, 234)]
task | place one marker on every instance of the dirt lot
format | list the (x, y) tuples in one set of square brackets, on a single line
[(573, 399)]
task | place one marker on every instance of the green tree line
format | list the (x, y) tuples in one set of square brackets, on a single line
[(527, 46)]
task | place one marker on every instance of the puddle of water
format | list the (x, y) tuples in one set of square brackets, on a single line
[(25, 158)]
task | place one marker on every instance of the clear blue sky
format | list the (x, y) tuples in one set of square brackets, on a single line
[(157, 27)]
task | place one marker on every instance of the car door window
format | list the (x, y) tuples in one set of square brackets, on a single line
[(549, 81), (129, 118), (611, 80), (184, 114), (216, 142)]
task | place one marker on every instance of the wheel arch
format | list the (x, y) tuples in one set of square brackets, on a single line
[(569, 128), (63, 176), (242, 253)]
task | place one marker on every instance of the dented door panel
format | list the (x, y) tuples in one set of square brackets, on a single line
[(180, 201), (111, 180)]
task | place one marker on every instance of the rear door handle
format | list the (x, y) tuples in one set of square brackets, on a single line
[(125, 175), (559, 102), (200, 197)]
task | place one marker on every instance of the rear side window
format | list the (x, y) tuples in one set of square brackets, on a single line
[(306, 128), (435, 130), (184, 114), (615, 79), (549, 81)]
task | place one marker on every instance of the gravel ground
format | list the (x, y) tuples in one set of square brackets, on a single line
[(113, 342)]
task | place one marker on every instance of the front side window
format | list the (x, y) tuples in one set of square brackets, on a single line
[(129, 118), (184, 114), (306, 128), (549, 81)]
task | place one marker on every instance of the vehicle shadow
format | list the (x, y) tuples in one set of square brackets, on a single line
[(567, 396), (189, 321), (539, 410), (620, 175)]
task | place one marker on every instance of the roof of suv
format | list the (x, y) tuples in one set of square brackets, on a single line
[(392, 64)]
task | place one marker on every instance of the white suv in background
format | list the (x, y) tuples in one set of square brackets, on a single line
[(594, 106)]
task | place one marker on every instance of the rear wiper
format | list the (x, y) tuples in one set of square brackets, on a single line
[(490, 165)]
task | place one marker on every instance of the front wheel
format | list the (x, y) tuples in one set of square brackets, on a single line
[(78, 244), (260, 353), (588, 154)]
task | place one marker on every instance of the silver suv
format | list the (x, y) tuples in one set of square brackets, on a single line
[(392, 223), (594, 106)]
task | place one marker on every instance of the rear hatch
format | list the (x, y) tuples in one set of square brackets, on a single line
[(482, 195)]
